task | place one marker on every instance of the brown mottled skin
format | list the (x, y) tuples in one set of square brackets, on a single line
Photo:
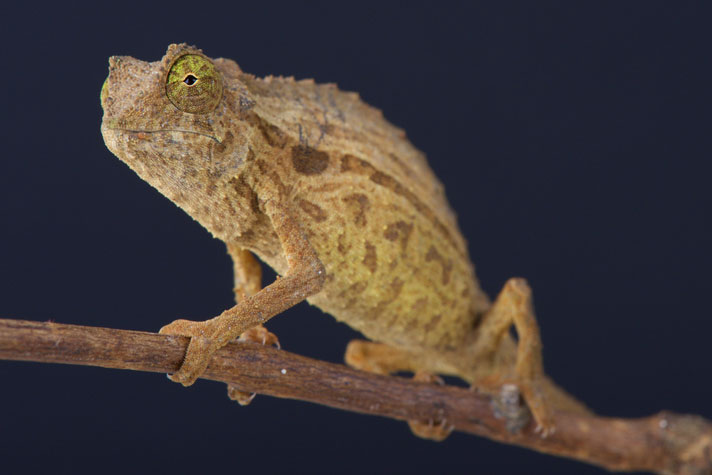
[(322, 188)]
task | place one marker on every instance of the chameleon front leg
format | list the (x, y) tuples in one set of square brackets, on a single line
[(247, 272), (305, 276), (384, 359)]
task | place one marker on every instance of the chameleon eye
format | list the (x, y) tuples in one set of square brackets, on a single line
[(193, 84)]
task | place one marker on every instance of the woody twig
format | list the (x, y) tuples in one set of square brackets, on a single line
[(665, 443)]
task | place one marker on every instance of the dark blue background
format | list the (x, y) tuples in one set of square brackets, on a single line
[(573, 140)]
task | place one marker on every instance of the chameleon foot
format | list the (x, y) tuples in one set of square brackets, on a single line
[(241, 397), (261, 335), (513, 306), (432, 430), (377, 357), (383, 359), (539, 407), (200, 349)]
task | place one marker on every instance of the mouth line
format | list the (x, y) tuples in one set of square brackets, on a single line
[(160, 131)]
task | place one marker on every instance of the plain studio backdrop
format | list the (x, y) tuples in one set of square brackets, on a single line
[(573, 142)]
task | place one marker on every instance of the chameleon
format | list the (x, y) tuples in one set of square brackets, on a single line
[(322, 188)]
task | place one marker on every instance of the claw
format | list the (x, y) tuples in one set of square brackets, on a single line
[(433, 430), (430, 430), (544, 432), (260, 334), (243, 398), (540, 410)]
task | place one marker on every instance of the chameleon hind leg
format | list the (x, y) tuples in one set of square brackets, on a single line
[(383, 359), (513, 306), (248, 281)]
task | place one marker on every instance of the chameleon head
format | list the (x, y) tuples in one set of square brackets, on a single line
[(176, 122)]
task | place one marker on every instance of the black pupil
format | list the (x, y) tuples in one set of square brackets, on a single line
[(190, 80)]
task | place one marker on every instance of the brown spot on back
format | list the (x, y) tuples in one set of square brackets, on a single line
[(358, 204), (327, 187), (353, 292), (210, 188), (369, 259), (395, 288), (411, 325), (406, 169), (250, 155), (270, 133), (225, 143), (273, 176), (392, 291), (341, 245), (419, 304), (358, 287), (434, 255), (352, 164), (398, 230), (309, 161), (433, 323), (314, 211), (244, 192)]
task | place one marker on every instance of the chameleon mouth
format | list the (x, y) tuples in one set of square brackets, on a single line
[(161, 131)]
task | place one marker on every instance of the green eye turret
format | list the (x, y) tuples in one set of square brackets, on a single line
[(194, 85)]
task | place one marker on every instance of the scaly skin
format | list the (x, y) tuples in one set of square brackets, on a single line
[(322, 188)]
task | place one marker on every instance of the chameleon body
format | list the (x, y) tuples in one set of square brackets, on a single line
[(327, 192)]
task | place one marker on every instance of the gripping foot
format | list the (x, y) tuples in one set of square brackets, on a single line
[(262, 336)]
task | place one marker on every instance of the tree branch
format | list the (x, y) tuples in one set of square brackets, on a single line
[(665, 443)]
